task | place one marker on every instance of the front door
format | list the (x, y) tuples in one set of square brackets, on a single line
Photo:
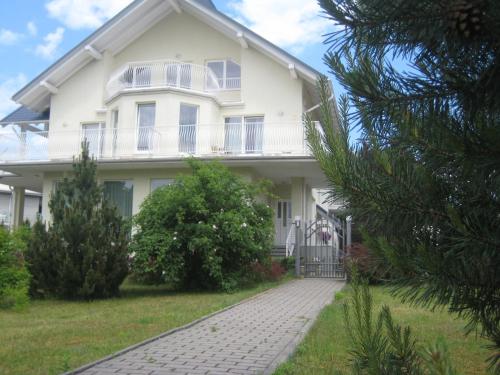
[(282, 221)]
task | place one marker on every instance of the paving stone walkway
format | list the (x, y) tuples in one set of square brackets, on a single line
[(253, 337)]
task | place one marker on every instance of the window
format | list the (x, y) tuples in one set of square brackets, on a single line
[(120, 194), (137, 76), (188, 118), (114, 118), (93, 135), (145, 126), (114, 127), (243, 134), (226, 75), (253, 134), (233, 136), (178, 75), (160, 182)]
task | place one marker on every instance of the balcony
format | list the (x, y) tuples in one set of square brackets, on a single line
[(234, 140), (174, 75)]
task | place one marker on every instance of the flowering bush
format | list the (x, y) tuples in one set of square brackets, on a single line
[(203, 231), (273, 271)]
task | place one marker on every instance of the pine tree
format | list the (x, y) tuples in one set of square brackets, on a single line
[(84, 252), (423, 91)]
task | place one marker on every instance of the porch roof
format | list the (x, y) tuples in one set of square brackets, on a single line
[(25, 115)]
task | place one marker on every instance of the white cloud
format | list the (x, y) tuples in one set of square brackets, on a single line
[(8, 88), (32, 29), (48, 49), (81, 14), (291, 24), (8, 37)]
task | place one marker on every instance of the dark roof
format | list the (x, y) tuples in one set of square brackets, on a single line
[(24, 114)]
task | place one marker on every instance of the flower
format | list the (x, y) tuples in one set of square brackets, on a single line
[(244, 225), (214, 227)]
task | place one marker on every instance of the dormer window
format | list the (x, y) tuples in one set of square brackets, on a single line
[(227, 75)]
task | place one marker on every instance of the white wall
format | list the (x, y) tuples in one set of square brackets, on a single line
[(266, 88)]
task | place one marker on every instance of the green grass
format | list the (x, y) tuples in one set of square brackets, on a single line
[(325, 349), (50, 337)]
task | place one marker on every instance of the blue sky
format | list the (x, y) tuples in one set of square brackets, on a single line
[(34, 33)]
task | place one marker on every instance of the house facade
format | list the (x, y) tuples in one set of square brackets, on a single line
[(161, 81)]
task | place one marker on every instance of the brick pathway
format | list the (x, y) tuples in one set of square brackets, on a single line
[(253, 337)]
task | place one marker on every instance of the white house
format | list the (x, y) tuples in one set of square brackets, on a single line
[(163, 80)]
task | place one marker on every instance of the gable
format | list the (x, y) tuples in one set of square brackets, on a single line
[(130, 24), (179, 37)]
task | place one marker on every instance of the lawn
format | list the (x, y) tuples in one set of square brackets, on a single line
[(50, 337), (325, 348)]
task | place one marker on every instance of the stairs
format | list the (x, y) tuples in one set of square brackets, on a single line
[(278, 252)]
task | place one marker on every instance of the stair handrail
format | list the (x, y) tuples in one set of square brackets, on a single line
[(290, 242)]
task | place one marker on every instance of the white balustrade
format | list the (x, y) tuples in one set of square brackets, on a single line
[(244, 139), (167, 74)]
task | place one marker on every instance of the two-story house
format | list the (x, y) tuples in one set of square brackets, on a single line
[(161, 81)]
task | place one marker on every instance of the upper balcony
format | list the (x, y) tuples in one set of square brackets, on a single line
[(249, 138), (220, 80)]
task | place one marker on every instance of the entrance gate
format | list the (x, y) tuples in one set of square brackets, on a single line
[(324, 249)]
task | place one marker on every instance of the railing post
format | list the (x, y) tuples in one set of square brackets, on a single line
[(297, 246)]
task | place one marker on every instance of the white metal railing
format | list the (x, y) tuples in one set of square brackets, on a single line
[(205, 140), (290, 242), (168, 74), (23, 146)]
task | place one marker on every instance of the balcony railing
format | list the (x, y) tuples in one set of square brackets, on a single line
[(168, 74), (215, 140)]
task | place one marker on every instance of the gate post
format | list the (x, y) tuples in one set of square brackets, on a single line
[(297, 246), (348, 231)]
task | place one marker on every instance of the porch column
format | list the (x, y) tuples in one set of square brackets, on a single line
[(18, 211), (298, 198)]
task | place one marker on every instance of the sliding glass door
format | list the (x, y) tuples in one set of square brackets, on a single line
[(188, 119), (243, 135), (93, 135), (145, 126)]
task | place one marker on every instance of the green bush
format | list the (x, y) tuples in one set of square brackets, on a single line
[(14, 277), (204, 231), (84, 252)]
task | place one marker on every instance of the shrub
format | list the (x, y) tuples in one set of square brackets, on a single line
[(380, 346), (273, 271), (288, 263), (14, 277), (84, 252), (204, 231)]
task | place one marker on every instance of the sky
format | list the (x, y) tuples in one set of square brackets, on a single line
[(35, 33)]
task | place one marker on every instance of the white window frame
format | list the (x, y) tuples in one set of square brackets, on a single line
[(169, 181), (195, 127), (126, 180), (115, 118), (243, 118), (224, 75), (137, 120), (100, 136), (178, 66)]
